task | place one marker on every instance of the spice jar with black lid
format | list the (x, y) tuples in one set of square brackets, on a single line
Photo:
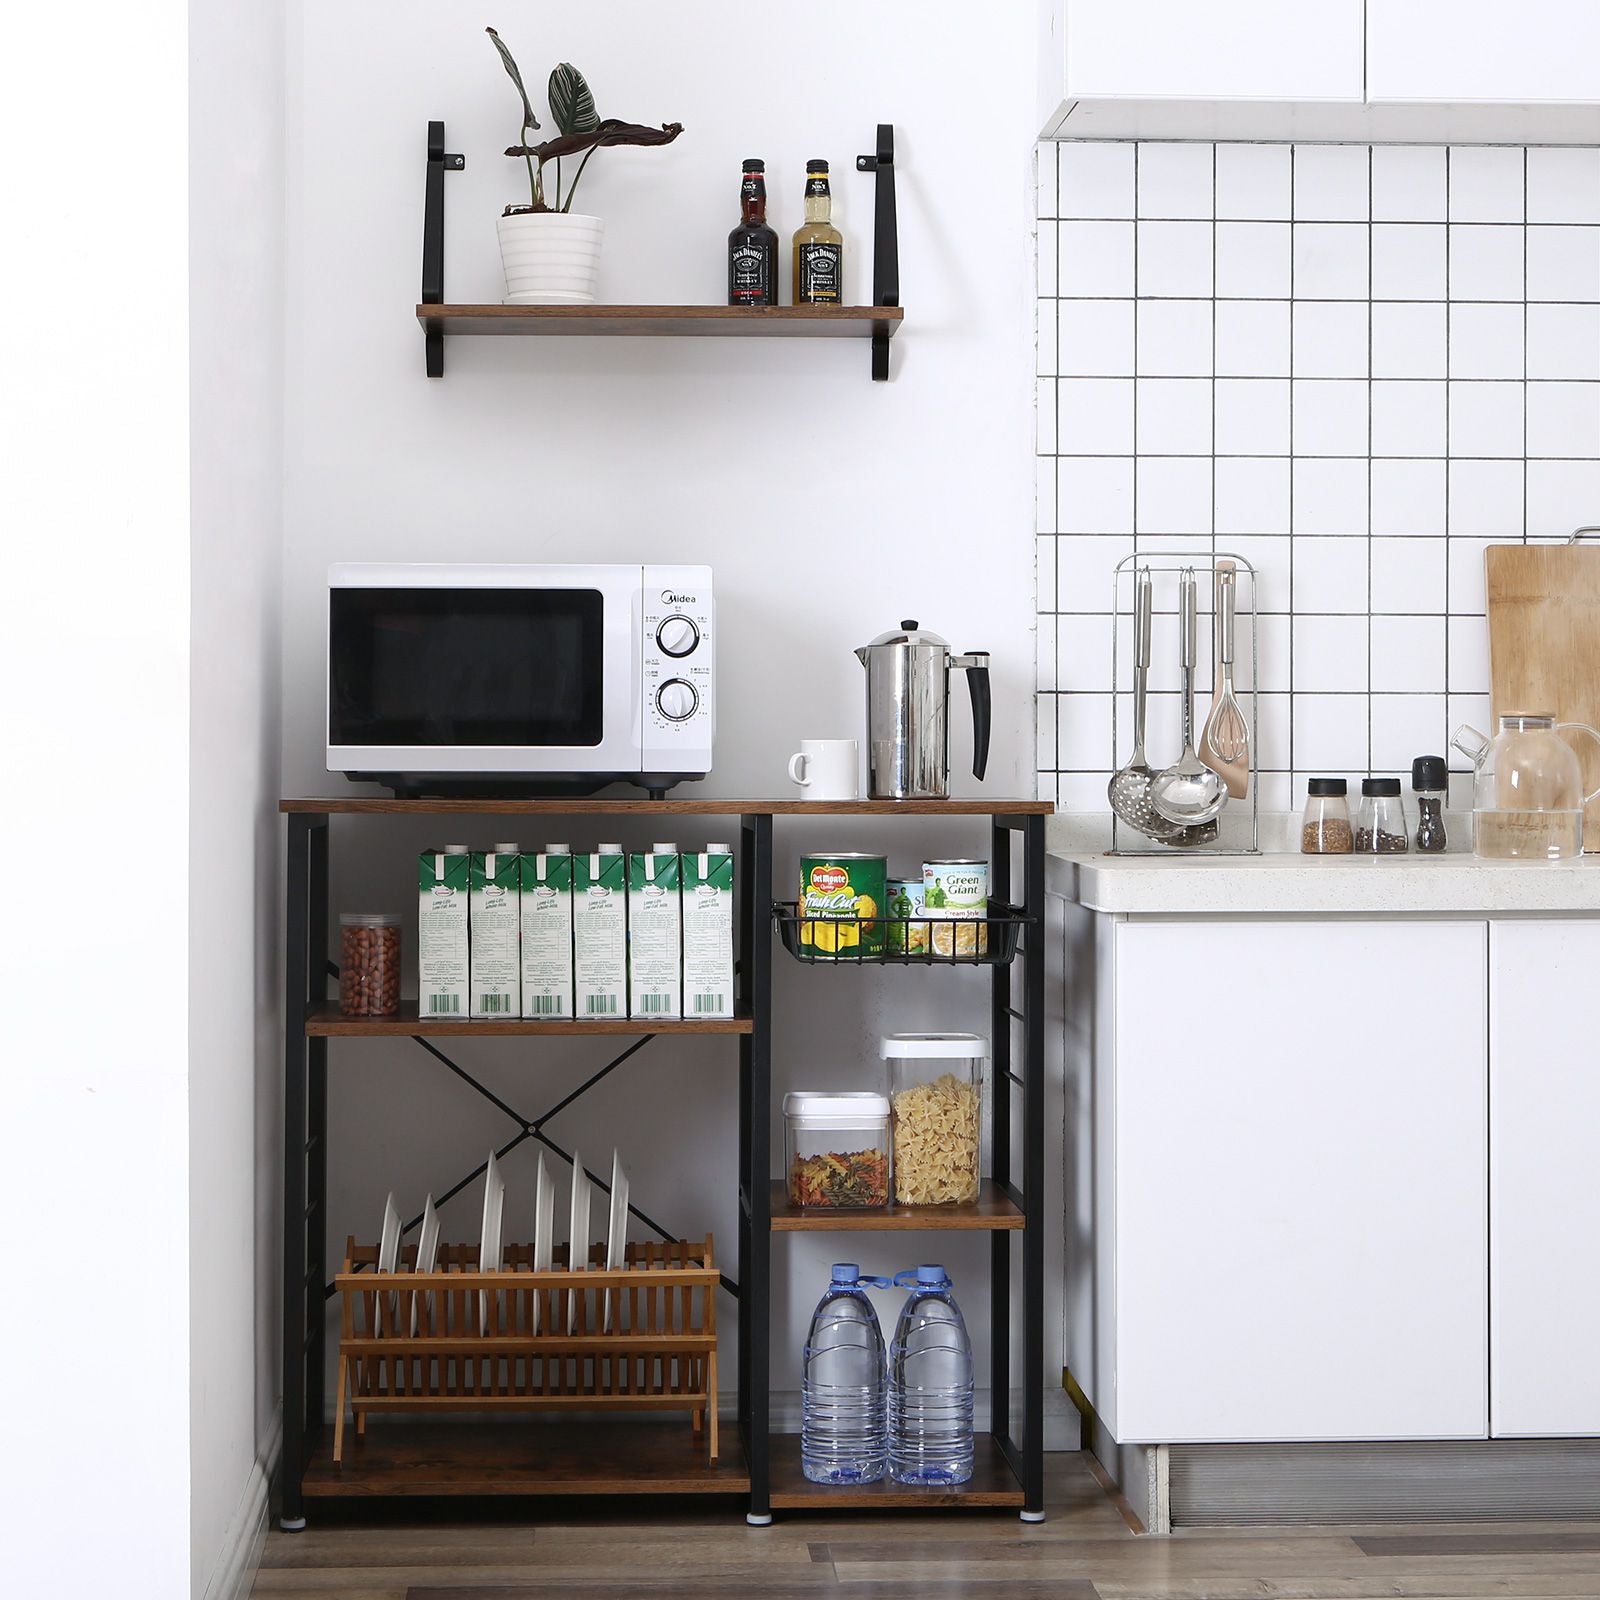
[(1430, 781), (1325, 830), (1381, 821)]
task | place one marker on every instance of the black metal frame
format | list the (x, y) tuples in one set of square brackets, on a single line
[(440, 162), (305, 1154), (885, 241)]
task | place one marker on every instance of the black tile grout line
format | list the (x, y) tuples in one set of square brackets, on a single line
[(1447, 366), (1311, 377), (1369, 423), (1332, 299), (1524, 538), (1331, 222), (1289, 576)]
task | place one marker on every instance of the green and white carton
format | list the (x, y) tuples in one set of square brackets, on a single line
[(708, 932), (496, 881), (600, 932), (443, 942), (547, 932), (655, 933)]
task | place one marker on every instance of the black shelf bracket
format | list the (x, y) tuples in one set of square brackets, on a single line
[(885, 241), (440, 161)]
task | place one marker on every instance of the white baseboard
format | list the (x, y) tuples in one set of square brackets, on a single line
[(235, 1572)]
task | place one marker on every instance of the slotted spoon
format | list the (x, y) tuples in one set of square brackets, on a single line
[(1129, 789), (1188, 792)]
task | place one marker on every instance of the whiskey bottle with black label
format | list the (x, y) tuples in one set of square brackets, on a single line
[(818, 245), (753, 246)]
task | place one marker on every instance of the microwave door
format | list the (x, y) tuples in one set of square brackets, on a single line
[(536, 678)]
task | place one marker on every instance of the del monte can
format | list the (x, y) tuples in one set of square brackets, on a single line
[(842, 897)]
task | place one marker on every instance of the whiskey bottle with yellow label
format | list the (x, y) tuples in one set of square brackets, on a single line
[(818, 245)]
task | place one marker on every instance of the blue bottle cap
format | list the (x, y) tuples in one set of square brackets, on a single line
[(932, 1276), (845, 1272)]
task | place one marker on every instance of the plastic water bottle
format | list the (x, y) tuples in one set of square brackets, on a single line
[(930, 1384), (843, 1431)]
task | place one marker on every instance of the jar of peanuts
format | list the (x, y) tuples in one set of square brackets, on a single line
[(369, 963)]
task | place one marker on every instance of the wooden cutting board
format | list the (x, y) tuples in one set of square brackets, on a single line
[(1544, 643)]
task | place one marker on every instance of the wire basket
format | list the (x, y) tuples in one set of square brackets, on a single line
[(989, 941)]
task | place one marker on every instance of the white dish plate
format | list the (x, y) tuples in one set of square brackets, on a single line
[(494, 1203), (388, 1258), (617, 1233), (578, 1231), (544, 1220), (427, 1251)]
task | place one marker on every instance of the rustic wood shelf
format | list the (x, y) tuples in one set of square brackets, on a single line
[(991, 1211), (658, 322), (328, 1022), (992, 1483), (377, 805), (547, 1456)]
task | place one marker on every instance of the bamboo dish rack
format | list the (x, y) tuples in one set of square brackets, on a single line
[(643, 1338)]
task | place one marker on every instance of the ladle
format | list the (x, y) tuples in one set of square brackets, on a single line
[(1188, 792)]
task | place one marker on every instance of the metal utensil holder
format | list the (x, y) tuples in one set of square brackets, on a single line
[(1127, 841)]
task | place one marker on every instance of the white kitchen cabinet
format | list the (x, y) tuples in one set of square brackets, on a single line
[(1260, 49), (1300, 1159), (1454, 50), (1544, 1200)]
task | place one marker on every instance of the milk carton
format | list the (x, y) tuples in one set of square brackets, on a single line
[(547, 932), (444, 880), (655, 933), (496, 882), (708, 932), (600, 932)]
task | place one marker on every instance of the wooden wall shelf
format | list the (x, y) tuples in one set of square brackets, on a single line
[(657, 322), (878, 322)]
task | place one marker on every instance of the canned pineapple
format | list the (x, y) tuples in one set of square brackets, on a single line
[(841, 906)]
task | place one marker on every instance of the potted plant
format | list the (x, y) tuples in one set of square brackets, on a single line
[(551, 254)]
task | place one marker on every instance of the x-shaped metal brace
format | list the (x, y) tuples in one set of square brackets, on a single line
[(533, 1128)]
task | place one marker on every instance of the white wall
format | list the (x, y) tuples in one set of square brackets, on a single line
[(94, 1483), (830, 507), (235, 1096)]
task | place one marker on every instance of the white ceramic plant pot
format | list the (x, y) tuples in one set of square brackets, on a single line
[(552, 258)]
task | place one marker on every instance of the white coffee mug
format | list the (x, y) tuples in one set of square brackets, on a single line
[(826, 769)]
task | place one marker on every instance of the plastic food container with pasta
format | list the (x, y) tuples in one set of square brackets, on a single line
[(936, 1116), (838, 1149)]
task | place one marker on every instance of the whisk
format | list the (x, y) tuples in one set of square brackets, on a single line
[(1225, 740)]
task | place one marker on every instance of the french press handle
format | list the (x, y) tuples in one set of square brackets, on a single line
[(976, 663)]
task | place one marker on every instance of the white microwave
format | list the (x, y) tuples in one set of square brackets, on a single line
[(520, 679)]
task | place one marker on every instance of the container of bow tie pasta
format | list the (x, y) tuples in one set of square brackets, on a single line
[(936, 1115), (842, 897)]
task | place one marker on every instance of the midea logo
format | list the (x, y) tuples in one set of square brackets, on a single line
[(668, 598)]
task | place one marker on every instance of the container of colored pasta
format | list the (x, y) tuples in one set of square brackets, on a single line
[(837, 1148)]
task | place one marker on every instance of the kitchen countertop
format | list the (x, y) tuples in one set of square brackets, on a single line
[(1290, 883)]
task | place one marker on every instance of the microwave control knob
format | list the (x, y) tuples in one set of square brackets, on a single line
[(676, 699), (677, 636)]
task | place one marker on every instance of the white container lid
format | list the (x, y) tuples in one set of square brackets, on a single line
[(557, 850), (609, 850), (935, 1047), (506, 849), (664, 849), (849, 1107)]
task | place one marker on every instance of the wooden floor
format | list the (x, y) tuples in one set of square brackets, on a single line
[(628, 1551)]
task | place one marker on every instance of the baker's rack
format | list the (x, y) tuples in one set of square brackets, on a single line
[(1128, 841)]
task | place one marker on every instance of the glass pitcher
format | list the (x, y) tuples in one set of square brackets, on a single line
[(1527, 795)]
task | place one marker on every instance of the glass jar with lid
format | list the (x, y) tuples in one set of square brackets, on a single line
[(1381, 821), (1325, 828), (936, 1111), (369, 963), (837, 1149)]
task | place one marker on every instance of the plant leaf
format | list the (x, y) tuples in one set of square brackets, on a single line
[(571, 104), (611, 131), (509, 61)]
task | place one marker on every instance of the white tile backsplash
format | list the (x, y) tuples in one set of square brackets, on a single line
[(1254, 182), (1353, 368)]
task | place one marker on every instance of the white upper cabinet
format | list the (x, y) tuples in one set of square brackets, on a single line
[(1224, 49), (1544, 1203), (1454, 50)]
